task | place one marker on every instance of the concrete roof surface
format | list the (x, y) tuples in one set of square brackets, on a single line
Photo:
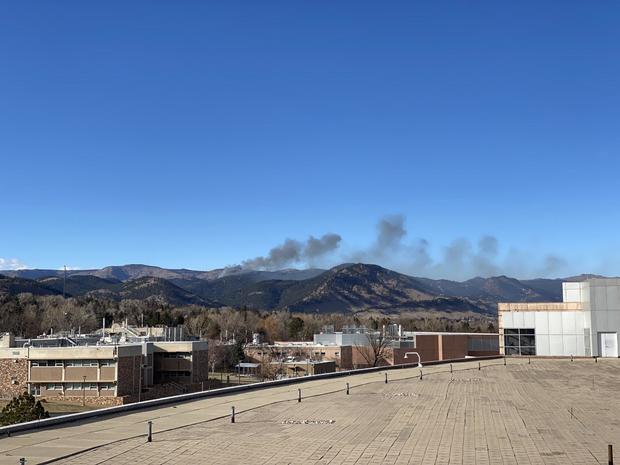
[(514, 414)]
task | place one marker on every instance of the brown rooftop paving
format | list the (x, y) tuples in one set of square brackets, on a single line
[(514, 414)]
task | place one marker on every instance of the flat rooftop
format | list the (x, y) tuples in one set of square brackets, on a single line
[(514, 414)]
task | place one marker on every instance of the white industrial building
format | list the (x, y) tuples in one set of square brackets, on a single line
[(586, 323), (349, 336)]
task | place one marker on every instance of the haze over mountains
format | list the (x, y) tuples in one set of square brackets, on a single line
[(344, 288)]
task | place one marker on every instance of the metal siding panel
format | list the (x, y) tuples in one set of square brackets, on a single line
[(613, 297), (600, 298), (517, 319), (542, 344), (542, 323), (555, 323), (569, 343), (529, 319), (555, 345), (613, 320), (580, 348), (568, 322)]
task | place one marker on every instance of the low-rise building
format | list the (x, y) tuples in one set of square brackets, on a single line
[(586, 322), (342, 356), (306, 367), (102, 374), (437, 346), (372, 348)]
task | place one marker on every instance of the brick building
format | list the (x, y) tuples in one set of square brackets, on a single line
[(436, 346), (102, 374), (431, 346)]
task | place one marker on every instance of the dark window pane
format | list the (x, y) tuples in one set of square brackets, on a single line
[(528, 340), (510, 331), (527, 331), (512, 341), (528, 350), (511, 350)]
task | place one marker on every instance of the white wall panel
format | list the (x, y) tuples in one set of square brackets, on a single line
[(599, 296), (555, 322), (580, 350), (568, 322), (570, 345), (529, 319), (541, 322), (507, 320), (613, 320), (556, 346), (580, 318), (585, 292), (542, 344), (570, 292), (517, 319), (572, 295), (613, 297)]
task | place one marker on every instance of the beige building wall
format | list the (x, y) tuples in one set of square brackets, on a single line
[(91, 372)]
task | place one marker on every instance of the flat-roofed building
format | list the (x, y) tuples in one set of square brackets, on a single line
[(102, 374), (431, 346), (185, 362), (438, 346), (586, 323), (342, 356), (306, 367), (349, 336)]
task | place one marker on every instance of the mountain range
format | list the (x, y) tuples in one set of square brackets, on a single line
[(344, 288)]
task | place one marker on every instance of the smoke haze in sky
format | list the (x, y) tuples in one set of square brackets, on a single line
[(460, 259)]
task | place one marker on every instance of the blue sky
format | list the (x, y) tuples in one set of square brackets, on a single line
[(203, 134)]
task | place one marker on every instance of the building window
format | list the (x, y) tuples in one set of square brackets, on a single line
[(46, 363), (519, 342), (81, 386), (82, 363), (184, 355), (54, 387)]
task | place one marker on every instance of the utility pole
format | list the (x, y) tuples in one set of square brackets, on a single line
[(64, 283)]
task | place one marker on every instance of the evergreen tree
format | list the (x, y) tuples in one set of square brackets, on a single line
[(21, 409)]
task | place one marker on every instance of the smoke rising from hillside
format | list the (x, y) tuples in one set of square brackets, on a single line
[(460, 259), (293, 252)]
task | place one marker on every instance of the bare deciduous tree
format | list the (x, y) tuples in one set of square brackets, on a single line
[(375, 351), (271, 366)]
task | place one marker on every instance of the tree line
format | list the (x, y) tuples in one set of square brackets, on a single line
[(29, 316)]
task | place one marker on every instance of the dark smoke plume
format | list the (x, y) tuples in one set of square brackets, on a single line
[(293, 252), (460, 259)]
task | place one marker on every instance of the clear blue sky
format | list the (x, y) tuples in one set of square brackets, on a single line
[(199, 134)]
